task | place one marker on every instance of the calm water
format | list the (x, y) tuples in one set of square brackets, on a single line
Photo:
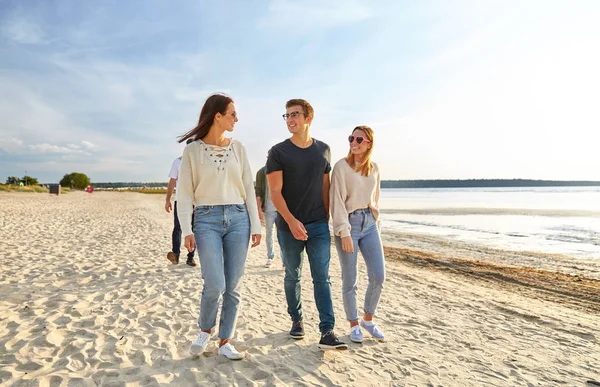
[(563, 220)]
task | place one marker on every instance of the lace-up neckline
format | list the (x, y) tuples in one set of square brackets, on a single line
[(218, 155)]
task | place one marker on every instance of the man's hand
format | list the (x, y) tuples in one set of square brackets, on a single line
[(297, 229), (190, 243), (347, 244), (260, 211), (255, 240), (168, 206)]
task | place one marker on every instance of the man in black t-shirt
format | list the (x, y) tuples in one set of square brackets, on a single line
[(298, 175)]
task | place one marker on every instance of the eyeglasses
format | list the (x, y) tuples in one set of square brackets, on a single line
[(292, 114), (359, 139)]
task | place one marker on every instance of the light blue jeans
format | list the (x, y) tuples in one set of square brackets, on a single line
[(270, 217), (222, 236), (365, 236)]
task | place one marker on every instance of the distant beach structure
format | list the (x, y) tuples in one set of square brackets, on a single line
[(54, 189)]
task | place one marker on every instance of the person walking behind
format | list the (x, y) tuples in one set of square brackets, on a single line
[(298, 175), (354, 199), (266, 211), (215, 175), (173, 255)]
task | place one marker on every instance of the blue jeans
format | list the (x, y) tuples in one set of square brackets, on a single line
[(176, 235), (270, 217), (318, 250), (222, 236), (365, 235)]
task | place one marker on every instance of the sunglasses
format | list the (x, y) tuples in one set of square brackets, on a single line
[(359, 139)]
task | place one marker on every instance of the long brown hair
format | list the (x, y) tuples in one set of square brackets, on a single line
[(216, 103), (366, 166)]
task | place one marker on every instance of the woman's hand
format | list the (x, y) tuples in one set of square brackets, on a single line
[(255, 240), (190, 242), (347, 244)]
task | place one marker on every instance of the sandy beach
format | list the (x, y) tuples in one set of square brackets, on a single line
[(87, 297)]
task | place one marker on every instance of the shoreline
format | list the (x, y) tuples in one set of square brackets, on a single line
[(573, 290), (446, 249)]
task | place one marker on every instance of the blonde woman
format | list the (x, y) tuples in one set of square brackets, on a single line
[(215, 176), (354, 200)]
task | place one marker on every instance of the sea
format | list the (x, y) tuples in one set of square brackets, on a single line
[(555, 220)]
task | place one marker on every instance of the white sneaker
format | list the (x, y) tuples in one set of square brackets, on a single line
[(372, 329), (199, 346), (230, 352), (356, 334), (269, 262)]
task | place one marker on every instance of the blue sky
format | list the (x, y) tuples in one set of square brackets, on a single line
[(453, 89)]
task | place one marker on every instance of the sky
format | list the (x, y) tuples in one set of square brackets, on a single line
[(453, 89)]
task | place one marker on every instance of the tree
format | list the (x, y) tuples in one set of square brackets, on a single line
[(75, 180), (12, 180), (28, 180)]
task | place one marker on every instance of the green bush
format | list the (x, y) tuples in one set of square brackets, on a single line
[(75, 180)]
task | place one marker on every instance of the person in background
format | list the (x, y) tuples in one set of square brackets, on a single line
[(215, 175), (354, 199), (173, 255), (266, 211), (298, 175)]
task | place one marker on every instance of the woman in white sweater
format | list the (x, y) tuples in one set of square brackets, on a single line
[(354, 201), (215, 176)]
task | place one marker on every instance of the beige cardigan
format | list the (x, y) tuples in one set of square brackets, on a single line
[(351, 191), (205, 180)]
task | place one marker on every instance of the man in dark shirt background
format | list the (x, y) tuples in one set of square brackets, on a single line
[(298, 176)]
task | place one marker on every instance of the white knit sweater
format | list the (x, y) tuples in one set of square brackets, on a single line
[(212, 176), (350, 191)]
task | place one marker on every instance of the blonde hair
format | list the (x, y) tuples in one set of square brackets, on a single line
[(366, 166)]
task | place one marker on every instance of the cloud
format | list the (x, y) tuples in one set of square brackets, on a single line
[(50, 148), (16, 146), (24, 32), (88, 145)]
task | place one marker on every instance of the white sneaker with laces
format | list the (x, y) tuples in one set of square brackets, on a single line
[(230, 352), (269, 262), (372, 329), (200, 344), (356, 334)]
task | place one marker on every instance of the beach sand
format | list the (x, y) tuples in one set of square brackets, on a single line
[(87, 297)]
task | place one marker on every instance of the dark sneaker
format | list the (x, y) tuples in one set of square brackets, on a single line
[(297, 331), (330, 341), (191, 262), (173, 258)]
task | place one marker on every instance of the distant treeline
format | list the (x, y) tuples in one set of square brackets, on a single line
[(485, 183), (471, 183)]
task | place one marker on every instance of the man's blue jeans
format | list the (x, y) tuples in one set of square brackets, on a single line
[(318, 250), (222, 236), (176, 235)]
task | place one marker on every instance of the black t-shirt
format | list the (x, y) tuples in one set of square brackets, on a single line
[(303, 172)]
